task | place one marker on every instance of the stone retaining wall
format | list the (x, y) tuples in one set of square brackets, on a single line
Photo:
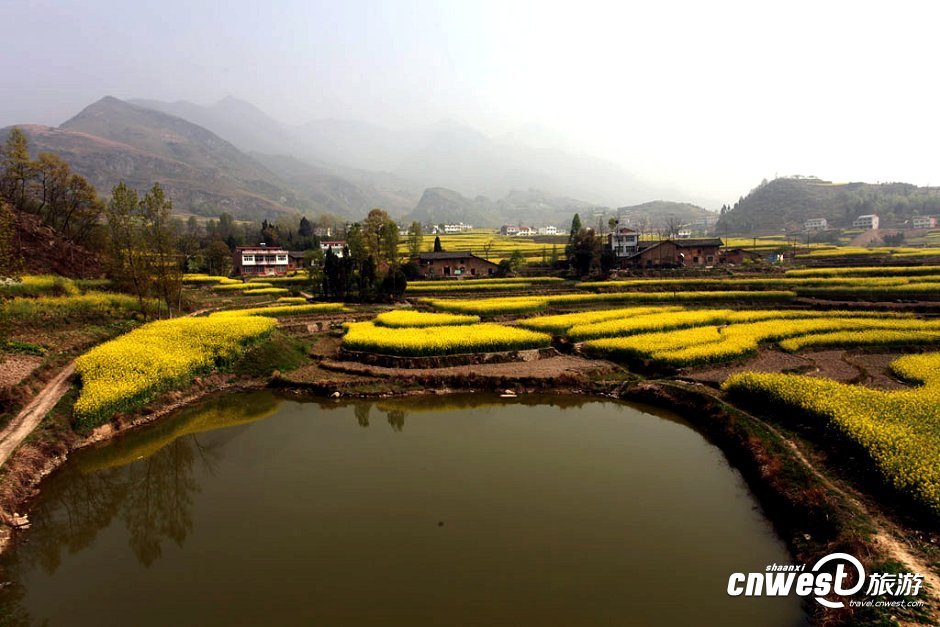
[(444, 361)]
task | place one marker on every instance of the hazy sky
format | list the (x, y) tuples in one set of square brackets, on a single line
[(712, 96)]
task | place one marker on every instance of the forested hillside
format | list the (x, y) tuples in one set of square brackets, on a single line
[(785, 203)]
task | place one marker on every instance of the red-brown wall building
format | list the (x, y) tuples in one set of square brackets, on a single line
[(454, 264), (674, 253), (260, 261)]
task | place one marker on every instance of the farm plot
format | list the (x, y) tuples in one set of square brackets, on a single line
[(708, 344), (899, 430), (131, 370), (451, 339)]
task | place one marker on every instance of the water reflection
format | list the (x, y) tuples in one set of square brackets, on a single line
[(146, 480), (542, 523)]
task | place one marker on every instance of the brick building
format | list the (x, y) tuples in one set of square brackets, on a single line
[(675, 253), (454, 264), (260, 261)]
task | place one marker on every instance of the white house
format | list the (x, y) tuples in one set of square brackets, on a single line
[(336, 247), (684, 233), (868, 222), (623, 241), (460, 227), (260, 260), (548, 230), (816, 224), (924, 222)]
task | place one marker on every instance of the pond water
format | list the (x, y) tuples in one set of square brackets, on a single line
[(455, 510)]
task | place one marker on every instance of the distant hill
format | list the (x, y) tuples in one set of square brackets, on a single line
[(112, 140), (232, 157), (658, 213), (785, 203), (444, 154), (531, 207)]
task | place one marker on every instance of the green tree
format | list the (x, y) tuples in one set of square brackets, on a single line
[(586, 250), (437, 244), (128, 252), (415, 239), (380, 238), (17, 169), (575, 229), (156, 212), (219, 257), (305, 229), (10, 263)]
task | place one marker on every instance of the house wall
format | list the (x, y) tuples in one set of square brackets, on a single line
[(460, 268)]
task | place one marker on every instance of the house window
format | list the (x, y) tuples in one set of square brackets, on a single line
[(695, 259), (248, 258), (709, 259), (473, 271)]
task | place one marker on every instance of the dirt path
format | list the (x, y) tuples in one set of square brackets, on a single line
[(887, 536), (31, 415)]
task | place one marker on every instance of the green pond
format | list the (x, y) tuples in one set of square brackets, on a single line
[(249, 509)]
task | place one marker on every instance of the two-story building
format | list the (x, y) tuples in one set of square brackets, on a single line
[(336, 247), (623, 241), (260, 261), (924, 222), (548, 230), (868, 222), (816, 224)]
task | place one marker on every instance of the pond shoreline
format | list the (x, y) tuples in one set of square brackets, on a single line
[(810, 518)]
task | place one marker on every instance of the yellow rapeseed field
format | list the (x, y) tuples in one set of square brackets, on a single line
[(900, 430), (400, 318), (275, 311), (440, 340), (131, 370)]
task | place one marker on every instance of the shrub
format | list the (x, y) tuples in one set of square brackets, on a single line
[(31, 286)]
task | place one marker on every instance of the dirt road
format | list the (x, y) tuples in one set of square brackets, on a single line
[(31, 415)]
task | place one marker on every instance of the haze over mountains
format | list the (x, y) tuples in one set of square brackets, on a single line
[(231, 156)]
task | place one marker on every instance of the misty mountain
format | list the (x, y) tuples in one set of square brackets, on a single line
[(112, 141), (239, 122), (658, 213), (532, 207), (445, 154), (785, 203), (277, 170)]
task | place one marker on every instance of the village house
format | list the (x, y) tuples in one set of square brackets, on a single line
[(454, 264), (296, 260), (816, 224), (924, 222), (548, 230), (460, 227), (868, 222), (260, 261), (513, 230), (335, 246), (623, 242), (675, 253)]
